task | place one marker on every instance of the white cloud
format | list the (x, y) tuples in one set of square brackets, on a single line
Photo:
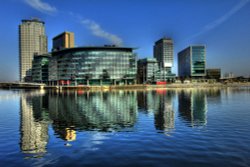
[(99, 32), (41, 6), (222, 19)]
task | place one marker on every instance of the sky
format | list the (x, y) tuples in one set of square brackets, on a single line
[(222, 25)]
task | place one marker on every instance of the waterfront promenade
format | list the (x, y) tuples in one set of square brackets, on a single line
[(121, 87)]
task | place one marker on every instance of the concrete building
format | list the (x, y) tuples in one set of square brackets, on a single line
[(192, 62), (32, 39), (63, 41), (164, 53)]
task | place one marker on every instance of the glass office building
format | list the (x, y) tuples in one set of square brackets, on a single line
[(192, 62), (147, 69), (93, 66), (164, 53), (40, 68)]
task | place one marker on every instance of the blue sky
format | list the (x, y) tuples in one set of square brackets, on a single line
[(222, 25)]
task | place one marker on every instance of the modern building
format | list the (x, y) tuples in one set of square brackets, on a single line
[(63, 41), (164, 53), (214, 74), (146, 70), (229, 75), (192, 62), (32, 39), (93, 66), (40, 68)]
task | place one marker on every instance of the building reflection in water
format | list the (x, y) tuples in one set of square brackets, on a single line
[(214, 95), (73, 111), (193, 107), (160, 102), (33, 124), (100, 111)]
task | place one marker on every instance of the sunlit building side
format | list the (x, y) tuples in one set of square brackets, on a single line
[(63, 41), (32, 40)]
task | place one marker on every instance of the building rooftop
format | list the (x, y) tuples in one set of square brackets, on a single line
[(33, 20), (106, 47), (59, 35), (164, 39)]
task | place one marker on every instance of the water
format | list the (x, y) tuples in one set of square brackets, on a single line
[(208, 127)]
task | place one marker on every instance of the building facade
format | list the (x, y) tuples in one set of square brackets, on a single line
[(32, 39), (164, 53), (93, 66), (192, 62), (40, 68), (63, 41), (214, 74), (148, 71)]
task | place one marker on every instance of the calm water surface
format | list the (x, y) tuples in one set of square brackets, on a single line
[(208, 127)]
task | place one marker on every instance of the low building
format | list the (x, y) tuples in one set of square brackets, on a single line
[(93, 66), (148, 71), (214, 74), (40, 68)]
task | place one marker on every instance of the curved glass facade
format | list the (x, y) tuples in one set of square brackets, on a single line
[(94, 66)]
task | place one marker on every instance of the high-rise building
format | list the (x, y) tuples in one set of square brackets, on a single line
[(32, 40), (192, 62), (63, 40), (163, 52)]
